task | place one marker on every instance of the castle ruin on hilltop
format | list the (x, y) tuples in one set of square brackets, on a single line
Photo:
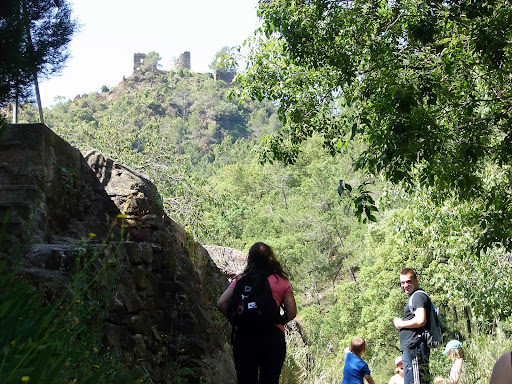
[(183, 62)]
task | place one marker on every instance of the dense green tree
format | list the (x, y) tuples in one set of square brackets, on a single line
[(34, 36), (426, 84), (151, 62), (224, 61), (441, 240)]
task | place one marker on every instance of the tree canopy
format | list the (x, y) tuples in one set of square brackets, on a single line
[(224, 61), (34, 35), (426, 84), (151, 62)]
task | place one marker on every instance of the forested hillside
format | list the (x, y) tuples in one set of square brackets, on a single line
[(203, 150)]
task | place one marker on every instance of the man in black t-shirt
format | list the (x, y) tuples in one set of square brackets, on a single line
[(415, 351)]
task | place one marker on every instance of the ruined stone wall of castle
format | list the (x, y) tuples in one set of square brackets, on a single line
[(224, 76), (183, 61), (138, 59)]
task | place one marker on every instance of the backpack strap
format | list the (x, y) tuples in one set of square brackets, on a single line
[(421, 291), (233, 334)]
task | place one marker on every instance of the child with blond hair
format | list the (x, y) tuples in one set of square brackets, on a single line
[(455, 352), (355, 368)]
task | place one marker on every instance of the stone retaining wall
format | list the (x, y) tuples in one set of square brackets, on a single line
[(162, 311)]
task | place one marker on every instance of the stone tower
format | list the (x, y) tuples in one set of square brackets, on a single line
[(138, 59), (183, 61)]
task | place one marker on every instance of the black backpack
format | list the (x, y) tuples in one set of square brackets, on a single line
[(252, 303), (434, 334)]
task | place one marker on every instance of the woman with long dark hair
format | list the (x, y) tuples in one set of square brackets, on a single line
[(259, 351)]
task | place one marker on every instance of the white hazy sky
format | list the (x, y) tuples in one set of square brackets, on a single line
[(113, 30)]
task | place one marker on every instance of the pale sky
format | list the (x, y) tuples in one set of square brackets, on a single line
[(113, 30)]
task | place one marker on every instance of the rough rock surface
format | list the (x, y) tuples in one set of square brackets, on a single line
[(53, 198), (230, 261)]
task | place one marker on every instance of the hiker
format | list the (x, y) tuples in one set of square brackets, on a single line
[(415, 350), (259, 351), (456, 354), (502, 370), (398, 377), (355, 368)]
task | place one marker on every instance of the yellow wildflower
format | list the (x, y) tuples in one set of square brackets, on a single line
[(91, 235), (122, 216), (25, 378)]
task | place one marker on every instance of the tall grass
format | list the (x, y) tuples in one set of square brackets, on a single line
[(59, 340), (481, 354), (47, 342)]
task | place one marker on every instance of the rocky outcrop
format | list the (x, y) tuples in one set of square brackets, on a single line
[(229, 260), (162, 311)]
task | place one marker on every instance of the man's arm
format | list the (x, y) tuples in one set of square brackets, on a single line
[(419, 320)]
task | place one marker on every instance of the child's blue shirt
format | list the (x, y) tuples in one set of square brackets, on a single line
[(354, 370)]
